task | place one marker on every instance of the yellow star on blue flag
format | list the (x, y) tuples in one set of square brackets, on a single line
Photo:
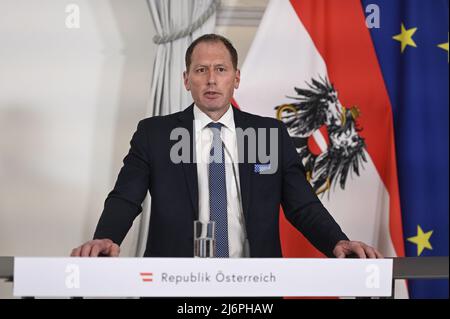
[(444, 46), (406, 37), (422, 240)]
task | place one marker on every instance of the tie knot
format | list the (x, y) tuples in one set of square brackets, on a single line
[(217, 126)]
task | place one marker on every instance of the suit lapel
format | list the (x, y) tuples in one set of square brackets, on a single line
[(245, 168), (186, 119)]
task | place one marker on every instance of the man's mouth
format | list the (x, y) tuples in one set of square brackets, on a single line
[(212, 94)]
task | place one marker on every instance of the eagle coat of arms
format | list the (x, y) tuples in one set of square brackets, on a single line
[(325, 134)]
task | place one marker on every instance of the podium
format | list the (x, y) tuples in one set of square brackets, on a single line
[(196, 277)]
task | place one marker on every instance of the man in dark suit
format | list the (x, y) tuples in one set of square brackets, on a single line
[(242, 198)]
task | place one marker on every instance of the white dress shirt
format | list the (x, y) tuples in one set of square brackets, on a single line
[(203, 141)]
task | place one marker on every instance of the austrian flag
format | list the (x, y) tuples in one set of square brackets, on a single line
[(313, 66)]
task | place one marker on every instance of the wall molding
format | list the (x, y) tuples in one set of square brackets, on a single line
[(239, 16)]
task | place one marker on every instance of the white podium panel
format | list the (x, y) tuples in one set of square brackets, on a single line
[(195, 277)]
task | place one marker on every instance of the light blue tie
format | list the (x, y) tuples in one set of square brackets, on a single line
[(218, 191)]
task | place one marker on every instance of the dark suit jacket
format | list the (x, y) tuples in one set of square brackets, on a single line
[(174, 193)]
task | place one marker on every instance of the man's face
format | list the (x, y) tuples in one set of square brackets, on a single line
[(211, 77)]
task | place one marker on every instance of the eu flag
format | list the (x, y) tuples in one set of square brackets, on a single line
[(411, 42)]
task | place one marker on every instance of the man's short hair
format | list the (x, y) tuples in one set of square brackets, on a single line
[(212, 38)]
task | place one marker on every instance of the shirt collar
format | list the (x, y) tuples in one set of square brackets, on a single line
[(227, 119)]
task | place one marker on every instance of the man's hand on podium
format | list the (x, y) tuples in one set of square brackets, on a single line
[(94, 248), (346, 248)]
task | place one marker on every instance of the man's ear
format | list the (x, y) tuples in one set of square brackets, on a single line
[(237, 79), (186, 81)]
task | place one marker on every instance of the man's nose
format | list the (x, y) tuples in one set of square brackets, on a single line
[(211, 78)]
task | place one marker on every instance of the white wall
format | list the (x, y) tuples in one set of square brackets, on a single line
[(69, 101)]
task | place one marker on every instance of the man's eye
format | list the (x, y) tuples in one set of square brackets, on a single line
[(221, 69), (201, 70)]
